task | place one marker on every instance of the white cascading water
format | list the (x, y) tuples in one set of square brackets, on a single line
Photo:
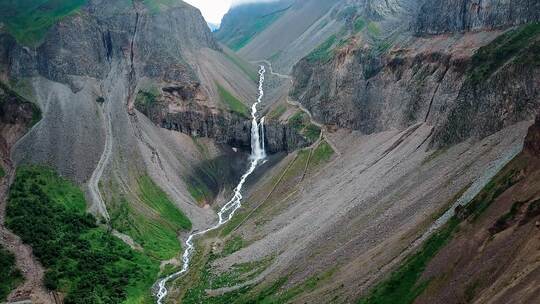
[(258, 155)]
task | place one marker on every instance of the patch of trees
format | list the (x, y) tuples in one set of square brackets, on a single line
[(83, 261)]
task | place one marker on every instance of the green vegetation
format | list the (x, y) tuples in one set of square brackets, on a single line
[(29, 20), (373, 29), (504, 180), (233, 245), (205, 279), (403, 285), (244, 66), (199, 191), (145, 99), (300, 122), (156, 6), (275, 293), (521, 44), (211, 176), (158, 200), (154, 224), (83, 261), (10, 276), (10, 94), (277, 111), (243, 36), (312, 132), (359, 24), (324, 51), (2, 172), (297, 121), (322, 154), (233, 103)]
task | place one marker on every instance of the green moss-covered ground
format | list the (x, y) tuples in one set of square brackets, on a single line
[(232, 103), (300, 122), (323, 52), (82, 260), (29, 20), (251, 28), (520, 44), (10, 276), (154, 222)]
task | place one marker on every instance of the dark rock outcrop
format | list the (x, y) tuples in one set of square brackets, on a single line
[(16, 116), (532, 141), (175, 110), (436, 17)]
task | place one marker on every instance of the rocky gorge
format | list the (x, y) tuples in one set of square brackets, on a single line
[(401, 139)]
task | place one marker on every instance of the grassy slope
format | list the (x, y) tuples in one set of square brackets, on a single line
[(202, 276), (233, 103), (82, 260), (29, 20), (10, 276), (154, 224), (323, 52), (252, 27), (243, 65), (300, 122), (521, 44)]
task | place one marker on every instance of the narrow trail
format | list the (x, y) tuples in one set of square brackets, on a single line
[(98, 204), (33, 272), (229, 209), (297, 104), (30, 268)]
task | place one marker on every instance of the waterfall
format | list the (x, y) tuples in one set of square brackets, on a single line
[(228, 210)]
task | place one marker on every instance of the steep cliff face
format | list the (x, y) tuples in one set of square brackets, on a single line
[(379, 80), (85, 43), (180, 110), (448, 16), (532, 141), (16, 117)]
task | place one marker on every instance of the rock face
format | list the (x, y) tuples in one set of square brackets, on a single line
[(16, 116), (532, 141), (446, 16), (443, 81), (174, 112), (86, 43)]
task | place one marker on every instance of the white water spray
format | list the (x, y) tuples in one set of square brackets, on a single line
[(228, 210)]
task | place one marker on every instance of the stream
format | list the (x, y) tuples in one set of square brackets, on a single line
[(228, 210)]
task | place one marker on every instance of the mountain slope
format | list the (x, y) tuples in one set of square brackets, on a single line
[(282, 32), (414, 125), (390, 147)]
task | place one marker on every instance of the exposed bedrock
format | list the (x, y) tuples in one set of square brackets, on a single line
[(445, 16), (532, 141), (86, 43), (461, 93), (225, 127)]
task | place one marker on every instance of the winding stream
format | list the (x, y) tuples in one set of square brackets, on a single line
[(228, 210)]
